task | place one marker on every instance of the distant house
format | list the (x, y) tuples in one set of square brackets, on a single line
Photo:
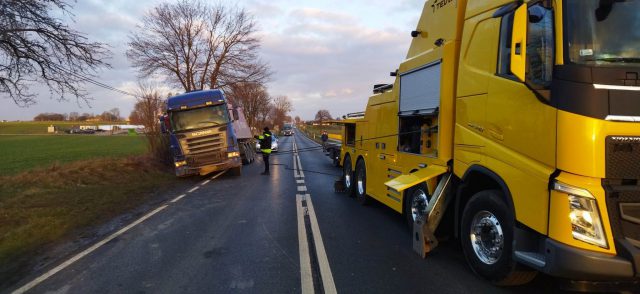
[(4, 120), (52, 129), (92, 128)]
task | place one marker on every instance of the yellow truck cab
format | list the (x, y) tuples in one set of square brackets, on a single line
[(531, 112)]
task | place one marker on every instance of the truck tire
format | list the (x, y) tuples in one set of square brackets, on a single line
[(347, 176), (244, 154), (416, 200), (236, 171), (486, 234), (361, 183)]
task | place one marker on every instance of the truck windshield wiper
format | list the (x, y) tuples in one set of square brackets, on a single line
[(620, 59)]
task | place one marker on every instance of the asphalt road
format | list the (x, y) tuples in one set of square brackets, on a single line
[(242, 234)]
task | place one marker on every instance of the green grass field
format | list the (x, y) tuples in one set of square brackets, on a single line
[(43, 207), (21, 153), (40, 127)]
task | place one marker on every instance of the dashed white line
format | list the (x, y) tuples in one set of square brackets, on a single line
[(89, 250), (302, 188), (178, 198), (300, 181), (84, 253)]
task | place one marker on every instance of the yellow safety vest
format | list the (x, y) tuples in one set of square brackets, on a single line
[(265, 151)]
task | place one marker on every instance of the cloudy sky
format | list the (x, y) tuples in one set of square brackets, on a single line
[(325, 53)]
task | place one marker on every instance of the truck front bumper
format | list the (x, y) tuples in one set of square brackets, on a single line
[(584, 270), (187, 170)]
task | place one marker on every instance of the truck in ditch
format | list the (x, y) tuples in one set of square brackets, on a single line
[(519, 121), (207, 134)]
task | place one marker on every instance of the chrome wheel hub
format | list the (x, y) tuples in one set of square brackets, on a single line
[(419, 204), (360, 184), (487, 237), (347, 179)]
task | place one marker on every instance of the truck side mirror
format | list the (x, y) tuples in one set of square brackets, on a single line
[(519, 42), (163, 124)]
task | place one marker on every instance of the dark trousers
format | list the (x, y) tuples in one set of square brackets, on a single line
[(265, 158)]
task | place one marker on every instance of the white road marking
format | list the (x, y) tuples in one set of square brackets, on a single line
[(178, 198), (84, 253), (306, 278), (323, 261), (300, 181), (219, 174), (300, 172), (89, 250)]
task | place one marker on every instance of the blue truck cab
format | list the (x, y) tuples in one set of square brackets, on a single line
[(202, 137)]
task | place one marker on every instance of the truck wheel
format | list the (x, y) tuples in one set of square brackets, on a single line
[(361, 183), (236, 171), (487, 230), (347, 176), (244, 154), (416, 200)]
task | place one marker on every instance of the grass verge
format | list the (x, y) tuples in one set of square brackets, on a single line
[(40, 127), (42, 207), (21, 153)]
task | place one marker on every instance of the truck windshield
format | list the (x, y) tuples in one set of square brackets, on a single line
[(603, 32), (199, 118)]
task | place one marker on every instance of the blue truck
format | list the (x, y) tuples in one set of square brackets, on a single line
[(207, 134)]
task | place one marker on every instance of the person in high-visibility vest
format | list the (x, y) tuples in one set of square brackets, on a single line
[(265, 147)]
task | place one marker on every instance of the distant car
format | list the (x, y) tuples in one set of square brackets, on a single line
[(287, 132), (79, 131), (274, 144)]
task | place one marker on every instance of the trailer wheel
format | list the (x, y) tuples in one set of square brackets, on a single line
[(361, 183), (487, 234), (244, 154), (347, 176), (416, 201)]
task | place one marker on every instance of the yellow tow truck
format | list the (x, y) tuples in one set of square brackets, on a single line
[(520, 120)]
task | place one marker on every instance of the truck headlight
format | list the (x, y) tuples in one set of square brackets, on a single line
[(181, 163), (585, 219), (233, 154)]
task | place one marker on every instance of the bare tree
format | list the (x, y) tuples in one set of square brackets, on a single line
[(148, 108), (323, 115), (115, 113), (255, 102), (297, 120), (196, 45), (281, 108), (36, 47)]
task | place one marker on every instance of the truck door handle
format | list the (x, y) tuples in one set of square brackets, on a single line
[(381, 156)]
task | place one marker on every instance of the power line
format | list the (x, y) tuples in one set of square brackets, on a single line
[(94, 82)]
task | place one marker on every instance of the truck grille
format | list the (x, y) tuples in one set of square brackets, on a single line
[(622, 157), (623, 205), (205, 149)]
